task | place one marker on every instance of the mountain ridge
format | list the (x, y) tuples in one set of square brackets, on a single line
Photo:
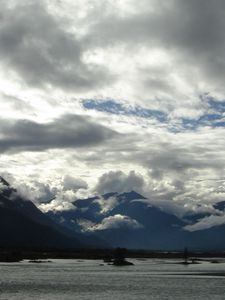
[(24, 225), (113, 219), (128, 220)]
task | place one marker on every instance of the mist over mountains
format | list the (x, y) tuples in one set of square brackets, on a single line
[(23, 225), (111, 220), (129, 220)]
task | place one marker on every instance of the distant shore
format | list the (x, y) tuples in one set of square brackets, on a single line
[(32, 254)]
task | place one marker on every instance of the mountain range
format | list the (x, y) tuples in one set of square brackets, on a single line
[(129, 220), (111, 220), (23, 225)]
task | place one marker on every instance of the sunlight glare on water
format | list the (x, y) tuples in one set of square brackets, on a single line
[(88, 279)]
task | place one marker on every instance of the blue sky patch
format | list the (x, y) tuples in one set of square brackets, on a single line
[(218, 106), (214, 117), (113, 107)]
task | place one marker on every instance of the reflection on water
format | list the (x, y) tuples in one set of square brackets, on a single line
[(147, 279)]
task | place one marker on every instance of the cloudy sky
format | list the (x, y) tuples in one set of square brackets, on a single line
[(115, 95)]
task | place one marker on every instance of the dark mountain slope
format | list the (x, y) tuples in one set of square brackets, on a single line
[(24, 225), (133, 223)]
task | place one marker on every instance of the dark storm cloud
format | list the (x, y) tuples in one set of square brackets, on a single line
[(193, 31), (69, 131), (193, 24), (37, 47)]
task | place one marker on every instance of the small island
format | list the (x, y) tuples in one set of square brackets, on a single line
[(119, 258)]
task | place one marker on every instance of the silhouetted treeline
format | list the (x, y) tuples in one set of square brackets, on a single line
[(40, 253)]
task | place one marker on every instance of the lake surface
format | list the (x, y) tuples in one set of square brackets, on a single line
[(89, 279)]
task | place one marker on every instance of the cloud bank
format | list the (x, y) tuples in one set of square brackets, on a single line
[(66, 132)]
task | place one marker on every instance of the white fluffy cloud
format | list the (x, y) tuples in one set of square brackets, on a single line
[(112, 222), (117, 181), (207, 222)]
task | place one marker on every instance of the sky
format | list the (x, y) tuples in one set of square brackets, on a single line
[(111, 96)]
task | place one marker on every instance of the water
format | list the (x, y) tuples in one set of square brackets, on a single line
[(90, 280)]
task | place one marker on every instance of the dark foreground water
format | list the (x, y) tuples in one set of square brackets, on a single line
[(148, 279)]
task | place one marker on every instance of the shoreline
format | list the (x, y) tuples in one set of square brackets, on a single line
[(105, 254)]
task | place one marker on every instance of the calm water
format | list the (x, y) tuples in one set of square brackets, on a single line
[(74, 279)]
